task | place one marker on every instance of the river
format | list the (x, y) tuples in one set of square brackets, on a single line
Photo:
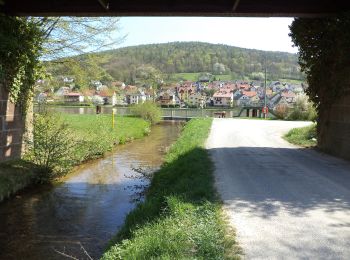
[(87, 208)]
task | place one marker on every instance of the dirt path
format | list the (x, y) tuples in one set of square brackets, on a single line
[(285, 202)]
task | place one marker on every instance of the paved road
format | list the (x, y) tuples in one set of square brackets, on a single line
[(285, 202)]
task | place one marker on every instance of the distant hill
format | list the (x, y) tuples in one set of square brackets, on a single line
[(187, 57)]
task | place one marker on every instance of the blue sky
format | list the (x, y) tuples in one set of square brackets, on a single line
[(254, 33)]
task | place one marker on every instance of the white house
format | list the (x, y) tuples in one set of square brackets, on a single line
[(223, 98)]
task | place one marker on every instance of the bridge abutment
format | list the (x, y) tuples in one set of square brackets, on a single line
[(334, 128), (12, 128)]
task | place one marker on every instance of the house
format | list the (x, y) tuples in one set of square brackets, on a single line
[(136, 97), (41, 97), (62, 91), (168, 98), (223, 98), (73, 97), (196, 100), (289, 96), (109, 98), (184, 91), (242, 100)]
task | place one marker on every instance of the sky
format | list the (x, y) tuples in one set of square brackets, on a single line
[(254, 33)]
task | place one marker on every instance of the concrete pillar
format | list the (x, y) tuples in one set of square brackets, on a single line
[(247, 112)]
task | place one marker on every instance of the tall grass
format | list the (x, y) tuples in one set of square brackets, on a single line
[(304, 136), (181, 217)]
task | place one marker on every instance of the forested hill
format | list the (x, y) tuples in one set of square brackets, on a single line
[(186, 57), (177, 57)]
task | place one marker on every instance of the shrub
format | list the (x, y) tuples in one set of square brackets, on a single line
[(303, 109), (52, 146), (281, 111), (148, 111)]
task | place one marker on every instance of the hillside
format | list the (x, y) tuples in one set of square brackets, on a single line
[(170, 59)]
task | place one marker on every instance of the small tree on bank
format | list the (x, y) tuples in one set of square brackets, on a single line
[(148, 111), (52, 146)]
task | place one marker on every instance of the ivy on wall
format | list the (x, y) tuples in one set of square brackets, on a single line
[(324, 56), (20, 47)]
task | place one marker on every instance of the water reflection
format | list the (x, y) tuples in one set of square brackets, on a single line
[(87, 209)]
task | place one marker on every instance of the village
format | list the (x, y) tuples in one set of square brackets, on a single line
[(184, 94)]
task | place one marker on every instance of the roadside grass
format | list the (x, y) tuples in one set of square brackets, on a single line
[(304, 136), (15, 175), (96, 136), (181, 217)]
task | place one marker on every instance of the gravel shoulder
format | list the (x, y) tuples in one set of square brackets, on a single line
[(284, 201)]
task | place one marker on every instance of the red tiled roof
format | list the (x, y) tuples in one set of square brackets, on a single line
[(249, 93), (220, 94), (73, 94), (288, 94)]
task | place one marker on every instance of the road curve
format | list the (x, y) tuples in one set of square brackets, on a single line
[(285, 202)]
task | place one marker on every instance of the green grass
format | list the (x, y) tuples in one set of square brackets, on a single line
[(97, 136), (304, 136), (15, 175), (181, 217)]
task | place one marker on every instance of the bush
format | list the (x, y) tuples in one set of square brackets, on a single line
[(148, 111), (52, 146), (281, 111), (303, 109)]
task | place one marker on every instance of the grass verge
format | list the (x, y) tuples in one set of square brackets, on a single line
[(304, 136), (181, 217)]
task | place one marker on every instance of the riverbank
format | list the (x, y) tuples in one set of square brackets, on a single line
[(181, 216), (95, 137)]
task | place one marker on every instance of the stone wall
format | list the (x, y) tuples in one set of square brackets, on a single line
[(12, 125), (334, 128)]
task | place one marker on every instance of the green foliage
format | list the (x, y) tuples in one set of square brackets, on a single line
[(148, 111), (303, 109), (52, 146), (181, 217), (21, 42), (324, 44), (304, 136)]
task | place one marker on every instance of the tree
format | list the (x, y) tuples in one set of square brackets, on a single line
[(324, 45), (69, 36)]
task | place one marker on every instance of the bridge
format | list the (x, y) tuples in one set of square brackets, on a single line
[(334, 129)]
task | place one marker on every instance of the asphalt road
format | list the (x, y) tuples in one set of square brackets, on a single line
[(285, 202)]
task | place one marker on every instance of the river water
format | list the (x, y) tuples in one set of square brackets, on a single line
[(88, 208)]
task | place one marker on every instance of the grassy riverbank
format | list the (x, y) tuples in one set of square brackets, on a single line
[(97, 136), (304, 136), (94, 137), (181, 217)]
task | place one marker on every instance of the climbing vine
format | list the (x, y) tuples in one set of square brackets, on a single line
[(21, 42), (324, 56)]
